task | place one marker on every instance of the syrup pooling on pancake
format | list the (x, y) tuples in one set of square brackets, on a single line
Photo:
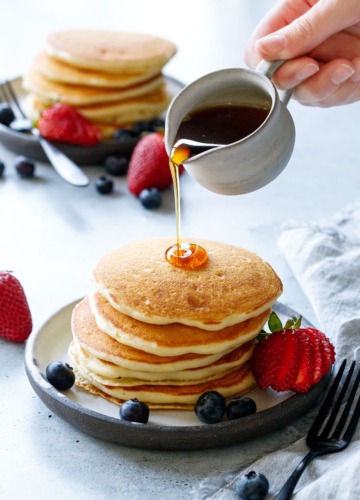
[(182, 254)]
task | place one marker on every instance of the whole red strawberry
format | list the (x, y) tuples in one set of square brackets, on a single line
[(149, 165), (61, 122), (15, 316), (292, 358)]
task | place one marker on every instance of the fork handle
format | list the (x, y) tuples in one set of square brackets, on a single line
[(288, 488), (66, 168)]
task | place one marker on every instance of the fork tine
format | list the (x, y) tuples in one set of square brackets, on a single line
[(341, 424), (338, 402), (13, 97), (356, 414), (316, 426)]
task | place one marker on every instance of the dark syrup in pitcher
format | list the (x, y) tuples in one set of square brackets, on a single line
[(217, 125)]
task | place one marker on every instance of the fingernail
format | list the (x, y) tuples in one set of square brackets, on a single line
[(306, 71), (342, 73), (272, 44)]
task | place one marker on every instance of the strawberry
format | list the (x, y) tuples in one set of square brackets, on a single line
[(61, 122), (149, 165), (291, 358), (15, 316)]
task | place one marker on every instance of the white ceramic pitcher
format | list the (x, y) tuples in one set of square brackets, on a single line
[(254, 161)]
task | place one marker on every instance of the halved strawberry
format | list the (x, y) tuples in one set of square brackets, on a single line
[(267, 359), (290, 362), (61, 122), (318, 356), (305, 375), (293, 358)]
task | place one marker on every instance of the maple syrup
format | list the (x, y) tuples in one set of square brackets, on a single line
[(199, 131)]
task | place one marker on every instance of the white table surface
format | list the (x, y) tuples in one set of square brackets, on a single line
[(51, 234)]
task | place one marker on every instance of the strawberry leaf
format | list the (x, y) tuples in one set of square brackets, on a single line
[(274, 323)]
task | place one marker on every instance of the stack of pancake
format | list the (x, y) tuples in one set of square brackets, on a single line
[(114, 79), (165, 335)]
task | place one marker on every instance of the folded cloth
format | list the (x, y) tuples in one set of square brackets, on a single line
[(325, 259)]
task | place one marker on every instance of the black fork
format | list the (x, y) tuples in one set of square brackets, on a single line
[(65, 167), (332, 429)]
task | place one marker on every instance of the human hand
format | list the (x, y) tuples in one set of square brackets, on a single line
[(320, 41)]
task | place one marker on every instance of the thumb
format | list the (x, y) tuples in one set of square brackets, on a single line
[(309, 30)]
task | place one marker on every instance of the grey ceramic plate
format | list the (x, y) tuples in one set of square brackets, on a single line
[(28, 145), (166, 430)]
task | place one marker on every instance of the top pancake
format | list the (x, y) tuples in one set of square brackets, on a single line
[(58, 71), (233, 285), (110, 50)]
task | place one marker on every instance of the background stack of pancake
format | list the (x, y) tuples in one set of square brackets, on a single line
[(114, 79), (165, 335)]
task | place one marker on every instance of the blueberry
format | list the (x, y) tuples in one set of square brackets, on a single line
[(157, 124), (116, 165), (210, 407), (2, 168), (6, 114), (240, 407), (24, 166), (124, 135), (150, 198), (60, 375), (142, 127), (252, 486), (134, 410), (104, 185)]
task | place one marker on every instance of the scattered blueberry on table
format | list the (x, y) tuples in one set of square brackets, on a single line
[(104, 185), (25, 167), (252, 486), (150, 198)]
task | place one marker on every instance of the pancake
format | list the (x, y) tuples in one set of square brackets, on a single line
[(114, 114), (58, 71), (108, 369), (238, 381), (171, 339), (234, 285), (110, 51), (80, 95), (87, 334)]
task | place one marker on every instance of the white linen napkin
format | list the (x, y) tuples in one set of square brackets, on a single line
[(325, 259)]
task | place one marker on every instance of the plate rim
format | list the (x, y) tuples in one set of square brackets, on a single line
[(27, 144), (151, 436)]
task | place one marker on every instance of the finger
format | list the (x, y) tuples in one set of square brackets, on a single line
[(282, 14), (309, 30), (295, 71), (328, 81)]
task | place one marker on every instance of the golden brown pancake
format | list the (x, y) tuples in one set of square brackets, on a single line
[(112, 114), (233, 286), (174, 338), (58, 71), (80, 95), (88, 335), (234, 383), (107, 369), (109, 50)]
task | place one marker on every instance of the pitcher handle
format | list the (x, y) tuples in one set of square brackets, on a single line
[(268, 68)]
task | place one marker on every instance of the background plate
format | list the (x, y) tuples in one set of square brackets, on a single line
[(166, 430), (28, 145)]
